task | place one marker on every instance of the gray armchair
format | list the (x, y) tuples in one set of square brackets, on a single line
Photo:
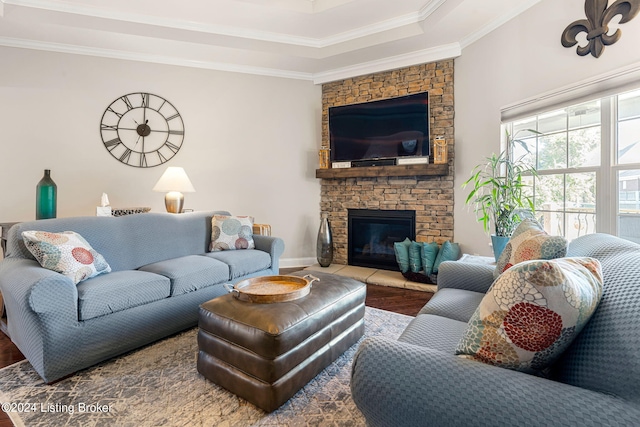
[(418, 381)]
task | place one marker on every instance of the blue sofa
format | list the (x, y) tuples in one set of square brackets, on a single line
[(162, 271), (418, 381)]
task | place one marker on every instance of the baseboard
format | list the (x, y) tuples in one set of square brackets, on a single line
[(297, 262)]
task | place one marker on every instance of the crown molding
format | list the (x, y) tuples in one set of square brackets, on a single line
[(379, 27), (439, 53), (156, 59), (428, 55), (477, 35), (265, 36)]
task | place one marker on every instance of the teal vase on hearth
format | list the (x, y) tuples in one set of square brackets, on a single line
[(324, 245), (46, 197)]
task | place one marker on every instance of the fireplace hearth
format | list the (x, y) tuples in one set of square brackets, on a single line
[(372, 233)]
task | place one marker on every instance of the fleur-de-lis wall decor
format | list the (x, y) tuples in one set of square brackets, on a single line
[(596, 25)]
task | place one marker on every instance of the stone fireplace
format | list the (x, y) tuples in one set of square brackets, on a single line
[(429, 195)]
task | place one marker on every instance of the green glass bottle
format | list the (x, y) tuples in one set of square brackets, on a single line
[(46, 194)]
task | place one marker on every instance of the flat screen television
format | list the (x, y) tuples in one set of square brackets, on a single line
[(388, 128)]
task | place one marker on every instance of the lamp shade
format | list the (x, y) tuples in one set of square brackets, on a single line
[(174, 179)]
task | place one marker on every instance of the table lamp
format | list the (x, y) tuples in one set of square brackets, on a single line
[(174, 181)]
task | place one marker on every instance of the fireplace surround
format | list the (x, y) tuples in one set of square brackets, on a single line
[(372, 233), (429, 194)]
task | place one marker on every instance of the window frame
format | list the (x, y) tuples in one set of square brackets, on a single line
[(607, 186)]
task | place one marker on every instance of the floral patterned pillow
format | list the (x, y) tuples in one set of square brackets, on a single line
[(529, 241), (67, 253), (231, 232), (532, 313)]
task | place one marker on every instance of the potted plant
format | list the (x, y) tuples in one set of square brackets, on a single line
[(498, 193)]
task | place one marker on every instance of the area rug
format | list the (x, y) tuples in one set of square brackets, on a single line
[(159, 385)]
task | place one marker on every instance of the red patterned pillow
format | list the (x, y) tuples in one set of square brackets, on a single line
[(528, 242), (532, 313)]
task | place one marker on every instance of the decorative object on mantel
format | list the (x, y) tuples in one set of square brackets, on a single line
[(498, 194), (440, 152), (324, 245), (104, 209), (323, 155), (46, 197), (174, 181), (130, 211), (596, 25)]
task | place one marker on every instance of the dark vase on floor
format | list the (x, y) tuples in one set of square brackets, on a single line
[(324, 245), (46, 195)]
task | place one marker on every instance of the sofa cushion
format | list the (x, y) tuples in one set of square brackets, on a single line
[(119, 291), (190, 273), (456, 304), (429, 254), (242, 263), (231, 232), (529, 241), (435, 332), (401, 250), (532, 313), (67, 253)]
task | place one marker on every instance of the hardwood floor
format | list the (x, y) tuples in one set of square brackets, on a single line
[(399, 300)]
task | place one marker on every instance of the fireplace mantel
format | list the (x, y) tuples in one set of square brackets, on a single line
[(376, 171)]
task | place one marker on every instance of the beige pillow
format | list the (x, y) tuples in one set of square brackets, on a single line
[(529, 241), (67, 253), (231, 232)]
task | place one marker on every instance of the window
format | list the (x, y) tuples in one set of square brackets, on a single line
[(588, 161)]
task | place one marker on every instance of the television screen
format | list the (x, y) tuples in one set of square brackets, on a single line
[(389, 128)]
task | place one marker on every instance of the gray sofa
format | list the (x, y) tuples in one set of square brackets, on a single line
[(161, 273), (418, 381)]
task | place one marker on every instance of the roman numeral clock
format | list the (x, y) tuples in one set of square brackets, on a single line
[(142, 130)]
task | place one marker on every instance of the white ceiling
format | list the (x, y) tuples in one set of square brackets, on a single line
[(318, 40)]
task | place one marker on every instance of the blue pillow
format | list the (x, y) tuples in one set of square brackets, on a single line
[(415, 257), (429, 254), (448, 252), (402, 254)]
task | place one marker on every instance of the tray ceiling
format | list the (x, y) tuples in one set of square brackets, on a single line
[(318, 40)]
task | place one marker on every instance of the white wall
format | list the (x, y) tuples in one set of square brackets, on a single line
[(519, 60), (250, 142)]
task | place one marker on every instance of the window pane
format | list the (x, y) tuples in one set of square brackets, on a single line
[(525, 150), (586, 114), (584, 147), (520, 127), (629, 141), (579, 223), (581, 191), (552, 151), (629, 105), (549, 192), (552, 222), (629, 205), (553, 121)]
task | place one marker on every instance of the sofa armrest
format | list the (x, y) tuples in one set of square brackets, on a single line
[(396, 383), (274, 246), (39, 303), (465, 275)]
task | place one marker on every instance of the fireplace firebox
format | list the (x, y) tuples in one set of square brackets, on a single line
[(372, 233)]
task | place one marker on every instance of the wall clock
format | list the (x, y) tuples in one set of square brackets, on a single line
[(142, 130)]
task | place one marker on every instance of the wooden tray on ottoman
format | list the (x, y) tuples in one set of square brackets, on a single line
[(270, 289)]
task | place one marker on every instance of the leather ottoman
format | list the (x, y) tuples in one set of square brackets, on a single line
[(265, 353)]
